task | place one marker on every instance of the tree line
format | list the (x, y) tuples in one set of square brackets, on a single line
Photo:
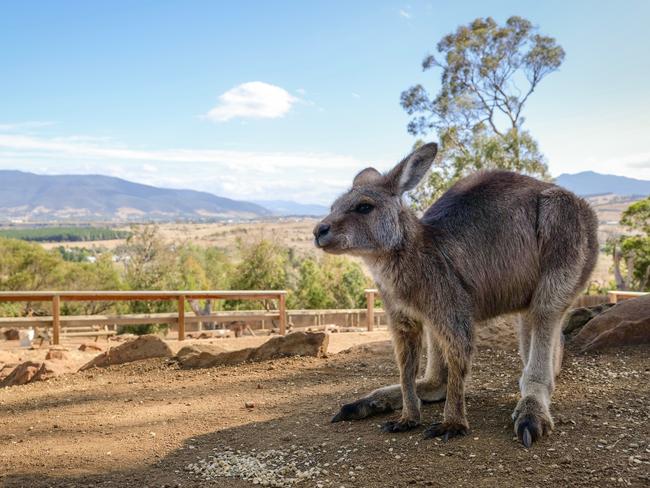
[(148, 262), (64, 234)]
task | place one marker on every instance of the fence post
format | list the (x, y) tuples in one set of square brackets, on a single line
[(181, 318), (370, 314), (56, 320), (283, 313)]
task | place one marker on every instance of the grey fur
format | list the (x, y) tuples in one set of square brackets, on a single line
[(496, 242)]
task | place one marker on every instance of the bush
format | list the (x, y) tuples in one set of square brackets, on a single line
[(144, 329)]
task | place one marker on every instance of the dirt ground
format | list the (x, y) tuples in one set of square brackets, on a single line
[(142, 424)]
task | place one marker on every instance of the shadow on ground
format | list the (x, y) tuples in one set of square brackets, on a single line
[(600, 410)]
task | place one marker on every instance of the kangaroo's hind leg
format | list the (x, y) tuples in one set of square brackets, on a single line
[(566, 259), (527, 323), (432, 387)]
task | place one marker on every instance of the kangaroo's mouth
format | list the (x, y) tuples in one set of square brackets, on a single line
[(329, 245)]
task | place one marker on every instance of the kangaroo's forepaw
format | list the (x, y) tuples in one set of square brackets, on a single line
[(532, 421), (446, 430), (361, 409), (399, 425)]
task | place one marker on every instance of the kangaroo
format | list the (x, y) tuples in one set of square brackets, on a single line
[(496, 242)]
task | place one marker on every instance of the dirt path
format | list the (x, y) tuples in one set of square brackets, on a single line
[(142, 424)]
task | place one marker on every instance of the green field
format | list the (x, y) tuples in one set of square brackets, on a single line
[(64, 234)]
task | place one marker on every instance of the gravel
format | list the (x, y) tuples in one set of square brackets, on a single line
[(272, 467)]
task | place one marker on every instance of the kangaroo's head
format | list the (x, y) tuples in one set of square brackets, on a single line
[(366, 219)]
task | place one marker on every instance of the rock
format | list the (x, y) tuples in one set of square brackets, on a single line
[(12, 334), (31, 371), (91, 347), (379, 347), (626, 323), (22, 374), (198, 355), (58, 353), (578, 317), (295, 344), (144, 347)]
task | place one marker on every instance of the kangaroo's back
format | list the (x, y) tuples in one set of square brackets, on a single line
[(489, 226)]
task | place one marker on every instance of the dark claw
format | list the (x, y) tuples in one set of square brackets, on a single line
[(528, 431), (399, 425), (526, 439), (446, 431)]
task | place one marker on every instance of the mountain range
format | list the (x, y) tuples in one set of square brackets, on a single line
[(31, 197), (589, 183)]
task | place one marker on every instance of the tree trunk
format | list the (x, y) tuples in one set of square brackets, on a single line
[(618, 276)]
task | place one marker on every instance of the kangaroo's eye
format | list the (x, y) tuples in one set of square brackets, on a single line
[(363, 208)]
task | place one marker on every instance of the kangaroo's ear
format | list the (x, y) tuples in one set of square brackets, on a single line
[(366, 176), (408, 173)]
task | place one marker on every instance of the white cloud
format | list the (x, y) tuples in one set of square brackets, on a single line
[(309, 177), (405, 14), (356, 95), (22, 126), (254, 100)]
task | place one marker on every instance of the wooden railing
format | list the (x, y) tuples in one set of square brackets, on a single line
[(56, 297), (617, 296)]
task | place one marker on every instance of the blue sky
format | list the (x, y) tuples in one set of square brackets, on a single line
[(288, 100)]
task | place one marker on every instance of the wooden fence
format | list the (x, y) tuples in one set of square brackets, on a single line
[(56, 297), (180, 318)]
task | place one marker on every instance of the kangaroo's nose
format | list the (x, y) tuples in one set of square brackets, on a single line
[(321, 229)]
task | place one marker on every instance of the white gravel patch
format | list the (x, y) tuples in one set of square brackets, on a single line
[(272, 467)]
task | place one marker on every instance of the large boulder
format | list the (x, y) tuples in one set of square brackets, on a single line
[(626, 323), (578, 317), (31, 371), (296, 344), (144, 347)]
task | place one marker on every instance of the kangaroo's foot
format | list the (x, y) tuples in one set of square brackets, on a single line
[(532, 420), (401, 425), (446, 430), (362, 408)]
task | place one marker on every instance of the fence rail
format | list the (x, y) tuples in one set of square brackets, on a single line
[(56, 297)]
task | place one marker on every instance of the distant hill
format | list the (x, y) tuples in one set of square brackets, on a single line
[(32, 197), (590, 183), (285, 207)]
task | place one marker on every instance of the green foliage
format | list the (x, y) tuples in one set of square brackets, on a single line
[(637, 216), (632, 252), (27, 266), (143, 329), (334, 282), (75, 254), (64, 234), (263, 265), (489, 72)]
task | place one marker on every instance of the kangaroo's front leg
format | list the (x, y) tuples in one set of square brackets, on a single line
[(432, 387), (457, 345), (407, 341)]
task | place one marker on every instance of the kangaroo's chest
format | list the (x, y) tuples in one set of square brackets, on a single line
[(401, 292)]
